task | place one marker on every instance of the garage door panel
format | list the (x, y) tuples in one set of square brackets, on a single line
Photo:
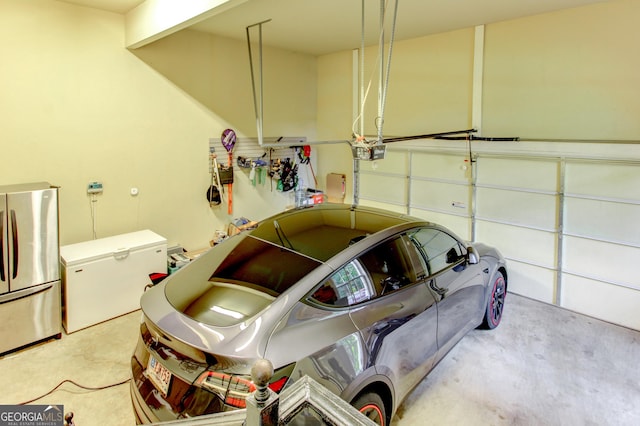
[(607, 180), (603, 220), (531, 281), (600, 260), (518, 173), (443, 197), (528, 245), (395, 162), (523, 208), (601, 300), (391, 207), (438, 166), (391, 189), (458, 224)]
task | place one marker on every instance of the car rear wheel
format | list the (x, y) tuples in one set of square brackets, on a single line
[(370, 404), (495, 304)]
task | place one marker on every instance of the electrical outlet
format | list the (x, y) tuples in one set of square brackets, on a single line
[(94, 188)]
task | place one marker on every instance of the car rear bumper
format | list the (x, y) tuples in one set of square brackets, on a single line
[(143, 413), (147, 407), (183, 399)]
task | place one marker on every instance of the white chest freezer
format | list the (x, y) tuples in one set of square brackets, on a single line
[(104, 278)]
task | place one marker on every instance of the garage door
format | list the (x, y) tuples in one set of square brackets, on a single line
[(432, 186), (567, 226), (601, 241), (517, 210)]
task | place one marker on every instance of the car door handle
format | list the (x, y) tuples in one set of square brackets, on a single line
[(485, 270)]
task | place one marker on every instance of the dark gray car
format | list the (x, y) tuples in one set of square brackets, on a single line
[(362, 300)]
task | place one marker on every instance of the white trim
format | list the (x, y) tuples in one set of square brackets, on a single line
[(478, 75)]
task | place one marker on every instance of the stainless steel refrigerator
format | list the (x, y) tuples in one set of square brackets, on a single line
[(30, 308)]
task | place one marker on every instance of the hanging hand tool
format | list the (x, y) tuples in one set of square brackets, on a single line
[(304, 154), (229, 141), (215, 175)]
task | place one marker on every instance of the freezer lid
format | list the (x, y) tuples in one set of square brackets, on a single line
[(117, 245)]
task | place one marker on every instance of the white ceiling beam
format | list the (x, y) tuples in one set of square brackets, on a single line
[(155, 19)]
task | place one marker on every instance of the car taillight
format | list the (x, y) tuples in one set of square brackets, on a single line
[(278, 384), (234, 390)]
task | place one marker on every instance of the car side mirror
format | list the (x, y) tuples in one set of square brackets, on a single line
[(472, 256), (452, 256)]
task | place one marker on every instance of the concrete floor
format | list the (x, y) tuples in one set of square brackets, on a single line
[(542, 366)]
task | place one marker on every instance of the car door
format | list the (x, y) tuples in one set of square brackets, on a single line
[(399, 324), (457, 285), (318, 335)]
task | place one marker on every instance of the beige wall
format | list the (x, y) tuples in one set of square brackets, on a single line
[(335, 117), (76, 106), (430, 86), (564, 75), (429, 91), (571, 74)]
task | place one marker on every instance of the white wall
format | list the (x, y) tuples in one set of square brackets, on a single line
[(76, 106)]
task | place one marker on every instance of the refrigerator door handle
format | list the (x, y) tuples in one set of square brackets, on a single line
[(2, 277), (29, 291), (14, 232)]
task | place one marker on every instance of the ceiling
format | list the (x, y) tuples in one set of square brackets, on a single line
[(324, 26), (118, 6)]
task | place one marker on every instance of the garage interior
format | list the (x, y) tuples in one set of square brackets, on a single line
[(99, 91)]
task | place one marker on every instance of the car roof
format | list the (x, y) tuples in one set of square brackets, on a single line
[(324, 230), (247, 273)]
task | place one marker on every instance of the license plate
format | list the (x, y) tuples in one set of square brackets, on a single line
[(159, 375)]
